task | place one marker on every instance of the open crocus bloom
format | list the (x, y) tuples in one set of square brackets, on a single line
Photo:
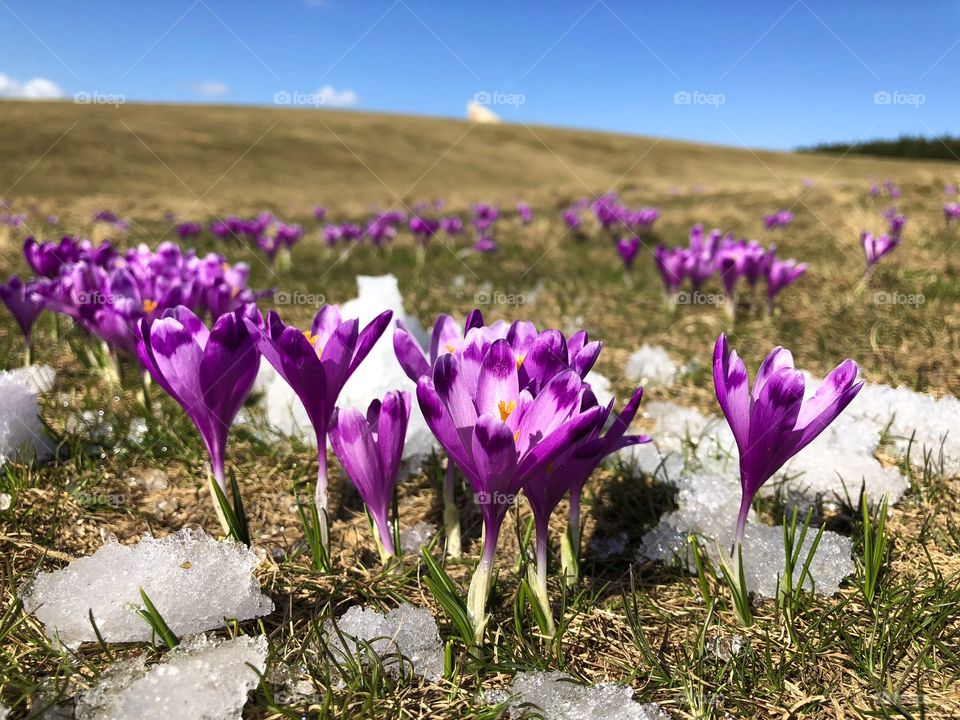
[(500, 435), (370, 448), (23, 303), (209, 372), (316, 364), (773, 422), (876, 246)]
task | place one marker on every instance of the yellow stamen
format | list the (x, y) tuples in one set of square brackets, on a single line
[(225, 267), (516, 436), (520, 360), (450, 348), (506, 408), (149, 306), (312, 339)]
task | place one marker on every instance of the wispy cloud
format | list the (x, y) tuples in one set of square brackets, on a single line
[(211, 88), (37, 88), (331, 97)]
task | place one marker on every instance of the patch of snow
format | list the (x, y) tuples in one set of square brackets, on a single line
[(201, 678), (559, 698), (194, 581), (600, 386), (21, 432), (416, 536), (5, 502), (410, 631), (651, 365)]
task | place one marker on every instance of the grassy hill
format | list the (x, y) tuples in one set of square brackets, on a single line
[(142, 158)]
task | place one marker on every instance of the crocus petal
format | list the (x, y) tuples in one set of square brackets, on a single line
[(772, 421), (409, 353), (732, 386), (391, 428), (446, 336), (777, 359), (438, 419), (354, 445), (495, 454), (368, 338), (498, 388), (834, 394), (555, 403), (325, 323)]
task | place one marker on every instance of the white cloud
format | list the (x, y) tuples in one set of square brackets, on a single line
[(37, 88), (211, 88), (331, 97)]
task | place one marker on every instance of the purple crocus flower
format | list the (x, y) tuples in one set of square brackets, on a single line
[(773, 422), (316, 364), (951, 212), (23, 303), (319, 212), (627, 249), (484, 244), (781, 218), (208, 372), (525, 213), (671, 264), (896, 221), (500, 435), (781, 273), (47, 258), (571, 218), (484, 216), (452, 225), (187, 230), (370, 449), (423, 229), (875, 247)]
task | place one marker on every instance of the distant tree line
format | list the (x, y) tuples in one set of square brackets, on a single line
[(945, 147)]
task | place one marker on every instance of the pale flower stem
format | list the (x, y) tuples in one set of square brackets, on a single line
[(320, 493), (451, 513)]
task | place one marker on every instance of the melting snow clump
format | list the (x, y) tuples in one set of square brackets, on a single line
[(194, 581), (559, 698), (201, 678), (21, 433), (651, 365), (410, 631), (416, 536), (379, 373), (600, 386), (701, 461)]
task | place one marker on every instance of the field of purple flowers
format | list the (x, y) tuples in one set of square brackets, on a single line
[(683, 440)]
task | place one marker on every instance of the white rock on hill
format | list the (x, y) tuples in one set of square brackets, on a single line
[(201, 679), (194, 581)]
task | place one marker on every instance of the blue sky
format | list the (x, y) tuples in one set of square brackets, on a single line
[(772, 73)]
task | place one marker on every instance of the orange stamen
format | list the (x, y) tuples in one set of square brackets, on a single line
[(506, 408), (149, 306)]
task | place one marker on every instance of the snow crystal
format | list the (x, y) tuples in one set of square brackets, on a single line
[(194, 581), (416, 536), (201, 678), (559, 698), (21, 433), (600, 386), (38, 378), (651, 365), (379, 373), (410, 631)]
